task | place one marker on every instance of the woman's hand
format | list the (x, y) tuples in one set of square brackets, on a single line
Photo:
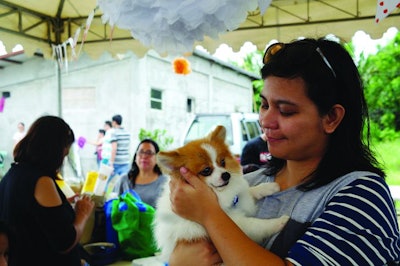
[(83, 208), (202, 252), (192, 199), (196, 201)]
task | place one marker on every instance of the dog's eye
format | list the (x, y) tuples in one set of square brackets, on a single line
[(223, 162), (206, 171)]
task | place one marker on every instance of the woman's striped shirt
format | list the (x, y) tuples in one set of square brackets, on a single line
[(351, 221)]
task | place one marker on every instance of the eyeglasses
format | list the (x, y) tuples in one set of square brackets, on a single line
[(275, 48), (148, 153)]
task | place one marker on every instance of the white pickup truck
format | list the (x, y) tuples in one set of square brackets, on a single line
[(240, 128)]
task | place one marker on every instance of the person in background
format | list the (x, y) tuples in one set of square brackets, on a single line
[(254, 154), (99, 145), (314, 113), (145, 176), (120, 146), (107, 147), (20, 133), (5, 240), (47, 228)]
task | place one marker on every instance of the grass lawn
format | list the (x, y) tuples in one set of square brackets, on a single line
[(388, 154)]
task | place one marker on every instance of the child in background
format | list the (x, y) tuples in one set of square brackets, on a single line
[(99, 145)]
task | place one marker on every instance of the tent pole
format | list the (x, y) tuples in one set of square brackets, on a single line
[(59, 90)]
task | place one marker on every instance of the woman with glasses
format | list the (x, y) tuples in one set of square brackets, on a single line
[(341, 212), (145, 176)]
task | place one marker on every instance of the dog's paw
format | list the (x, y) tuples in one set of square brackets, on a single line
[(282, 221), (263, 229), (264, 189), (275, 225)]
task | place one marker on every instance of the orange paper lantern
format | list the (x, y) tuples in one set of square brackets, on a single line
[(181, 66)]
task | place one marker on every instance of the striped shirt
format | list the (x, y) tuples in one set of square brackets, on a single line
[(351, 221), (123, 139)]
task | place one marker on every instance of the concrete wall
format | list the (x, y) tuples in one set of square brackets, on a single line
[(94, 90)]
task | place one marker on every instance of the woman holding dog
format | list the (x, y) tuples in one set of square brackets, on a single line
[(341, 212)]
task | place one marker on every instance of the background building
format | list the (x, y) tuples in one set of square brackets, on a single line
[(145, 91)]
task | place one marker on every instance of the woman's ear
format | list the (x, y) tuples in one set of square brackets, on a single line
[(333, 118)]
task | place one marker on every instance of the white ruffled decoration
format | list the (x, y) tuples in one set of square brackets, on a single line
[(173, 26)]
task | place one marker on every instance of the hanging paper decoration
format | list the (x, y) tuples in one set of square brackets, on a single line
[(87, 27), (2, 103), (181, 66), (384, 8), (174, 26), (60, 51)]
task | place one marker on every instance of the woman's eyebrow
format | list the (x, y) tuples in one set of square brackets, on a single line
[(278, 102)]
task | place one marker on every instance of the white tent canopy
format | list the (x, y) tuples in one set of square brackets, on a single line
[(36, 25)]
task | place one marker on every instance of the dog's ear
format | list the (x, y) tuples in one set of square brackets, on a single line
[(219, 133), (167, 160)]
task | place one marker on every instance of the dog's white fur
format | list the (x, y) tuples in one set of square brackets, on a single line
[(236, 198)]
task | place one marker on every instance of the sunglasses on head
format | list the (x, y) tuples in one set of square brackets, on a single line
[(276, 48)]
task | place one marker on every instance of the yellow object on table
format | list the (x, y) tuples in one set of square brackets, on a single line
[(122, 263), (90, 182), (65, 188)]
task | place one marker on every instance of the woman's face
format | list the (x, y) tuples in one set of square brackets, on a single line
[(293, 126), (145, 157)]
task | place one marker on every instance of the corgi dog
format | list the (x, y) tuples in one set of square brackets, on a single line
[(211, 160)]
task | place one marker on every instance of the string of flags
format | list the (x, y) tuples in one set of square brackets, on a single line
[(60, 52), (384, 8)]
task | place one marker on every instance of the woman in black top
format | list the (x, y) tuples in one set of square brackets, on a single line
[(47, 228)]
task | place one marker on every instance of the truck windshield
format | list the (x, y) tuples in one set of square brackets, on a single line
[(203, 125)]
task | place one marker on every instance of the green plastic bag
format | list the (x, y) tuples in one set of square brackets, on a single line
[(133, 221)]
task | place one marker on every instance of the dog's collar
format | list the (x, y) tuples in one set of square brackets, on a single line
[(235, 201)]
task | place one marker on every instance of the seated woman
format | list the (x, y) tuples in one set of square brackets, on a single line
[(46, 228), (145, 176)]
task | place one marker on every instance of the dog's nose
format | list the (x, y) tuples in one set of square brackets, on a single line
[(226, 176)]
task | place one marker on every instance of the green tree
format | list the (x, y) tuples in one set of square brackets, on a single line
[(381, 75), (158, 135), (252, 62)]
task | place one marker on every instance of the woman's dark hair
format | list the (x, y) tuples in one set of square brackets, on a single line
[(134, 171), (45, 144), (331, 77)]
